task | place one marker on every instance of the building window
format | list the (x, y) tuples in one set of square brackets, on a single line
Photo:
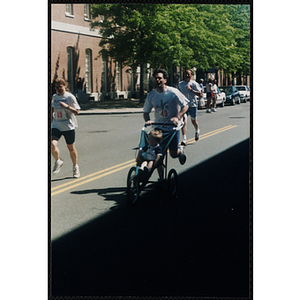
[(69, 10), (88, 70), (103, 77), (87, 12), (71, 73), (119, 76)]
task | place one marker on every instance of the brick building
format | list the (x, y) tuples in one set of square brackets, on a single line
[(75, 56)]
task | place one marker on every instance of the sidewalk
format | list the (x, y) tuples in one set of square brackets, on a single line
[(104, 111)]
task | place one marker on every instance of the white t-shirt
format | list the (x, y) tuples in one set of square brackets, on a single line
[(215, 87), (167, 105), (190, 95), (63, 119), (208, 90)]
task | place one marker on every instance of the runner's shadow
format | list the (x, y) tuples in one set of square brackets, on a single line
[(100, 191), (109, 194), (60, 179)]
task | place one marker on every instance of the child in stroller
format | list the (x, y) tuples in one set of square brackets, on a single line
[(150, 156)]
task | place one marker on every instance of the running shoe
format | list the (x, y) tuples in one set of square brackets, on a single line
[(197, 136), (182, 156), (208, 111), (214, 109), (76, 172), (184, 143), (58, 164)]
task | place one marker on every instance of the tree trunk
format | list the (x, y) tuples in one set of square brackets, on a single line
[(142, 100)]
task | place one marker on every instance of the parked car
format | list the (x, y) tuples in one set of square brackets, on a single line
[(232, 94), (248, 88), (221, 98), (244, 92)]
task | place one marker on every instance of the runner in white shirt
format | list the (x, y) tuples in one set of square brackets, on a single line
[(63, 122), (170, 105), (215, 95), (191, 89)]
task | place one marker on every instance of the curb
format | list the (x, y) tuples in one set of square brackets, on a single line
[(107, 113), (110, 111)]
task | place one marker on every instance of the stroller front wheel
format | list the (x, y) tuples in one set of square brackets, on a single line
[(133, 187)]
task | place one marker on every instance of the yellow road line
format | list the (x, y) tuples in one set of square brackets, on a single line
[(91, 175), (211, 133), (77, 182), (93, 178)]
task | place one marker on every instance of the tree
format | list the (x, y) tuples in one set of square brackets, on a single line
[(224, 35), (185, 35), (240, 21), (132, 34)]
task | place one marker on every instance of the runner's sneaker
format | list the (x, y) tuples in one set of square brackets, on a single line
[(214, 109), (76, 172), (58, 164), (197, 136), (182, 156), (208, 111), (184, 143)]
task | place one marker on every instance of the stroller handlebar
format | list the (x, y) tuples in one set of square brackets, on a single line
[(161, 124)]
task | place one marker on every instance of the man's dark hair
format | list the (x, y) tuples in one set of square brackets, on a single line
[(160, 70)]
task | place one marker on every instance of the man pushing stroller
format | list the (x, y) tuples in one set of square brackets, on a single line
[(170, 106)]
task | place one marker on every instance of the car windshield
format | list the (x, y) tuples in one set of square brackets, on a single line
[(226, 89), (241, 88)]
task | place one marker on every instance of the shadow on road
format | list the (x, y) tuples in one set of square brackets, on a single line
[(196, 245)]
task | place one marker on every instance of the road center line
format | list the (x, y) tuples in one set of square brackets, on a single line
[(83, 180), (91, 175), (93, 178), (211, 133)]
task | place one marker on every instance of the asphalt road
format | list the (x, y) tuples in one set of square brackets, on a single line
[(196, 245)]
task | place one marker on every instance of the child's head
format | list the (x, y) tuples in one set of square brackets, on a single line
[(154, 137)]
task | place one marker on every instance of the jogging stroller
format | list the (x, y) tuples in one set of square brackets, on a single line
[(135, 185)]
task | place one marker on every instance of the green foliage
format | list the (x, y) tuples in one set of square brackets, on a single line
[(199, 36)]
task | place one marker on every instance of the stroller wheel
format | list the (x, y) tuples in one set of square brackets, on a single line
[(133, 191), (131, 174), (133, 187), (172, 183)]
